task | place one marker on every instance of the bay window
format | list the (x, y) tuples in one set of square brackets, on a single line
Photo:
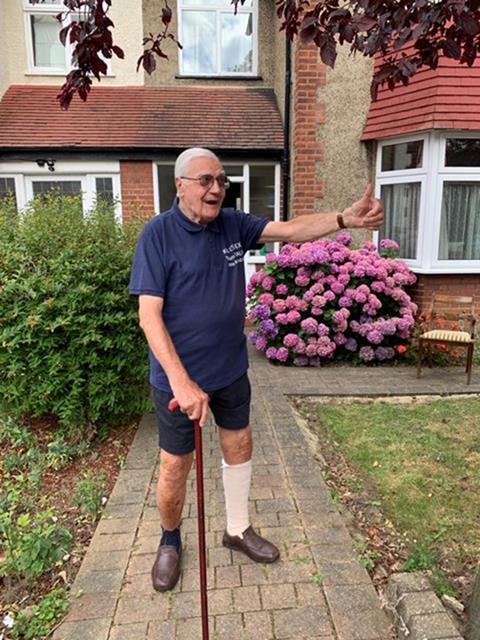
[(430, 188), (460, 221), (402, 201), (215, 41)]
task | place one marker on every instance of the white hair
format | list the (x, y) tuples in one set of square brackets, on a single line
[(189, 154)]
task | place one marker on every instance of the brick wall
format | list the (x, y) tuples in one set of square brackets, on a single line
[(308, 113), (450, 284), (136, 179)]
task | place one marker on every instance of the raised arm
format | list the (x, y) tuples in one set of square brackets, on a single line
[(366, 213), (191, 398)]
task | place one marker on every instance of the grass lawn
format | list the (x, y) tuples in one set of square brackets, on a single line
[(422, 460)]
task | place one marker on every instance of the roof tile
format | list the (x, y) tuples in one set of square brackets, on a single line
[(447, 97)]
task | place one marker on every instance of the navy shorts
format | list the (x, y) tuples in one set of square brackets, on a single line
[(230, 407)]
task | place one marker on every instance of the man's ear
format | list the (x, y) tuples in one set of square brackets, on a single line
[(178, 184)]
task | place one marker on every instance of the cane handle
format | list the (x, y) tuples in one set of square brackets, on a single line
[(173, 404)]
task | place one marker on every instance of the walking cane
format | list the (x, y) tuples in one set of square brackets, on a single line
[(172, 405)]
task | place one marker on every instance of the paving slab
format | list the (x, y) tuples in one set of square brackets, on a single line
[(318, 590)]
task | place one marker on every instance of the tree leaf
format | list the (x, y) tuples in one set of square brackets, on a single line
[(468, 23)]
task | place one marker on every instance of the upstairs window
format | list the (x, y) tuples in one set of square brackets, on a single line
[(46, 54), (215, 41)]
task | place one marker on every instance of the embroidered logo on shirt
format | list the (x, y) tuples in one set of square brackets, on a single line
[(233, 254)]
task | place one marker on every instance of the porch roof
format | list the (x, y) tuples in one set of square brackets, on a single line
[(142, 118)]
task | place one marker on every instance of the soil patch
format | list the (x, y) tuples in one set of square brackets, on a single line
[(103, 459)]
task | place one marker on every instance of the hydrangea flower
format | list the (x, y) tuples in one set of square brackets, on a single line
[(271, 353), (309, 325), (389, 244), (366, 354), (314, 301), (291, 340)]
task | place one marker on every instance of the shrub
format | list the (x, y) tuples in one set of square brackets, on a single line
[(32, 543), (69, 338), (324, 300), (89, 495)]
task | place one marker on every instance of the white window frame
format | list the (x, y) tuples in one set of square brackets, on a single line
[(29, 180), (417, 179), (432, 175), (26, 172), (52, 10), (218, 10)]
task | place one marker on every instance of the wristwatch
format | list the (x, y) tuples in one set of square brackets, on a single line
[(340, 222)]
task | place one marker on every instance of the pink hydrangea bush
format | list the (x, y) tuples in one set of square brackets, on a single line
[(324, 300)]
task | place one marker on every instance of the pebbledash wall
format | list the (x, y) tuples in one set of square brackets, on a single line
[(330, 165)]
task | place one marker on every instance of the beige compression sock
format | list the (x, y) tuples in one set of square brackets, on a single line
[(236, 485)]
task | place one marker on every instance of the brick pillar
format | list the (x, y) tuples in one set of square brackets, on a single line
[(308, 115), (136, 180)]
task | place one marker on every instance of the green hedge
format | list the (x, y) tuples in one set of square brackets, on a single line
[(70, 344)]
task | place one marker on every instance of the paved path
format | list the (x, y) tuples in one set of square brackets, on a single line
[(318, 590)]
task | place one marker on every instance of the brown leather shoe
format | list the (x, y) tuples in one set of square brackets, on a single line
[(254, 546), (166, 568)]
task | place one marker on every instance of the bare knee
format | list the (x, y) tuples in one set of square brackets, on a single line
[(174, 469), (236, 445)]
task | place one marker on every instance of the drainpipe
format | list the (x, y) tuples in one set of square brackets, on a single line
[(286, 128)]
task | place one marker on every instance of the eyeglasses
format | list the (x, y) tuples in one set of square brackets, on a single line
[(207, 180)]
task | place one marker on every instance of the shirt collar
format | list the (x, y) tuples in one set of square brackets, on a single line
[(189, 225)]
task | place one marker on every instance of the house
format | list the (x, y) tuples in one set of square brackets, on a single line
[(228, 89)]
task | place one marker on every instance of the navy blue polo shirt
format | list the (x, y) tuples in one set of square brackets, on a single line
[(198, 271)]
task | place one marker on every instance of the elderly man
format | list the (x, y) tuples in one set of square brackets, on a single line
[(188, 274)]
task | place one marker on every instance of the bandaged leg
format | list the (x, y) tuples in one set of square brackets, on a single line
[(236, 485)]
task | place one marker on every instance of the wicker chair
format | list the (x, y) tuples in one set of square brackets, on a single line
[(460, 312)]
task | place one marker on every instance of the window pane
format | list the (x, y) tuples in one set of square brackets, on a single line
[(237, 44), (48, 51), (104, 189), (199, 39), (406, 155), (65, 187), (7, 189), (262, 193), (460, 224), (401, 204), (462, 152), (166, 185), (233, 169)]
